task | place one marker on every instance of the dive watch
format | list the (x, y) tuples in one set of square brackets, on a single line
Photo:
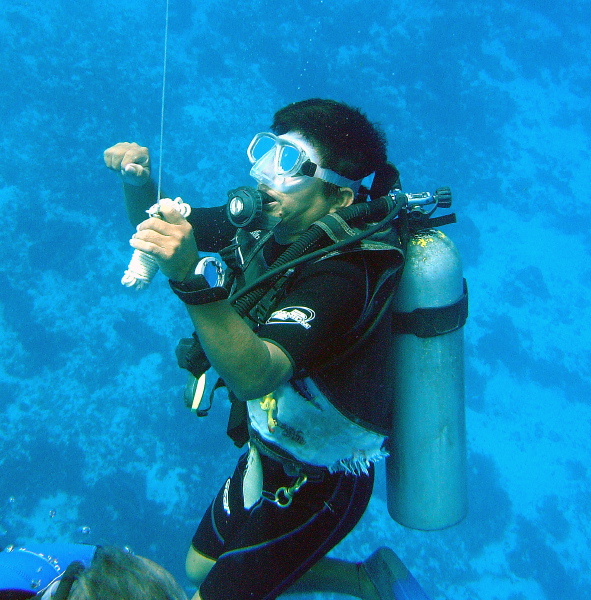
[(203, 285)]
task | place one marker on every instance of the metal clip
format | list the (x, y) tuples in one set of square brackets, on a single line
[(284, 495)]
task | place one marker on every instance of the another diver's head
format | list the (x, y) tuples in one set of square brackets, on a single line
[(118, 575)]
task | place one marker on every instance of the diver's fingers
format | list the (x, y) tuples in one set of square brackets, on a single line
[(135, 174), (131, 160), (123, 153), (171, 220), (162, 233), (169, 212), (158, 251), (154, 239)]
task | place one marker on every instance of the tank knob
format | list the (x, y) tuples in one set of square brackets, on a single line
[(443, 197)]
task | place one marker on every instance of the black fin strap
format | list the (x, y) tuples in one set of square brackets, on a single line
[(442, 220), (431, 322)]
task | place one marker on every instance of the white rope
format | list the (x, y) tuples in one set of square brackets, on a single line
[(142, 267), (140, 271)]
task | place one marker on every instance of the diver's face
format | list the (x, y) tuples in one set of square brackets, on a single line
[(297, 210), (298, 200)]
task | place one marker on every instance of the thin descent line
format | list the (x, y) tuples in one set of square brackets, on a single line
[(162, 104)]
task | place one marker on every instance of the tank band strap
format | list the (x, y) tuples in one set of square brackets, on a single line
[(431, 322), (418, 221)]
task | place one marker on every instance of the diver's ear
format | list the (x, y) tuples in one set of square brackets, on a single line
[(343, 199)]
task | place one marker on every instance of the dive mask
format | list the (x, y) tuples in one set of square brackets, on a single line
[(288, 162)]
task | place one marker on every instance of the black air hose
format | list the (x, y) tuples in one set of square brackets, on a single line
[(384, 209)]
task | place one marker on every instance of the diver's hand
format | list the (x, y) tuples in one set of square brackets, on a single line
[(131, 161), (169, 240)]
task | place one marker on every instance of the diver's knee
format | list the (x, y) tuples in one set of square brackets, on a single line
[(197, 566)]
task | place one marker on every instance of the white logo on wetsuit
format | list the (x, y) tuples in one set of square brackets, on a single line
[(292, 315), (226, 497)]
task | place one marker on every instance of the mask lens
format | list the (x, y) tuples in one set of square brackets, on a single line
[(288, 159), (260, 146)]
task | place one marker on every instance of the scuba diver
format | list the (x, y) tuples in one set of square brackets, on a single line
[(61, 571), (300, 339)]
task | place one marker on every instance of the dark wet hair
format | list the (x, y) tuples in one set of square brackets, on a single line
[(118, 575), (348, 143)]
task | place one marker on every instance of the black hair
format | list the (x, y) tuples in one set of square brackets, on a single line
[(348, 143)]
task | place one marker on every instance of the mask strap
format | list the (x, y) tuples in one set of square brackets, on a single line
[(333, 177)]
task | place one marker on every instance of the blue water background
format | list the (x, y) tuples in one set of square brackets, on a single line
[(491, 99)]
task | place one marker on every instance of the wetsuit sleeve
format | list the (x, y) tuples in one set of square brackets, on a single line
[(211, 227), (323, 304)]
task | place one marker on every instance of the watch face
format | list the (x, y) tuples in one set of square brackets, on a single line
[(212, 270)]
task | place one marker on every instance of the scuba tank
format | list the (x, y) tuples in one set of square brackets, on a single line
[(426, 469)]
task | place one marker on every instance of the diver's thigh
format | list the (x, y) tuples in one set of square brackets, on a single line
[(197, 566)]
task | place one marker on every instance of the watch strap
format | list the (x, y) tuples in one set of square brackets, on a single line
[(195, 290)]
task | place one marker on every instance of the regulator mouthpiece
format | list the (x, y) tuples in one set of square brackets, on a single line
[(245, 209), (443, 197)]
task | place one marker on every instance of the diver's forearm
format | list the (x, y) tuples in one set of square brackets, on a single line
[(249, 366), (138, 199)]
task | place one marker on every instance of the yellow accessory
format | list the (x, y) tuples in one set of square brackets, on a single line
[(269, 405)]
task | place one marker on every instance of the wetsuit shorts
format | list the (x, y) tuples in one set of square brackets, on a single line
[(262, 551)]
